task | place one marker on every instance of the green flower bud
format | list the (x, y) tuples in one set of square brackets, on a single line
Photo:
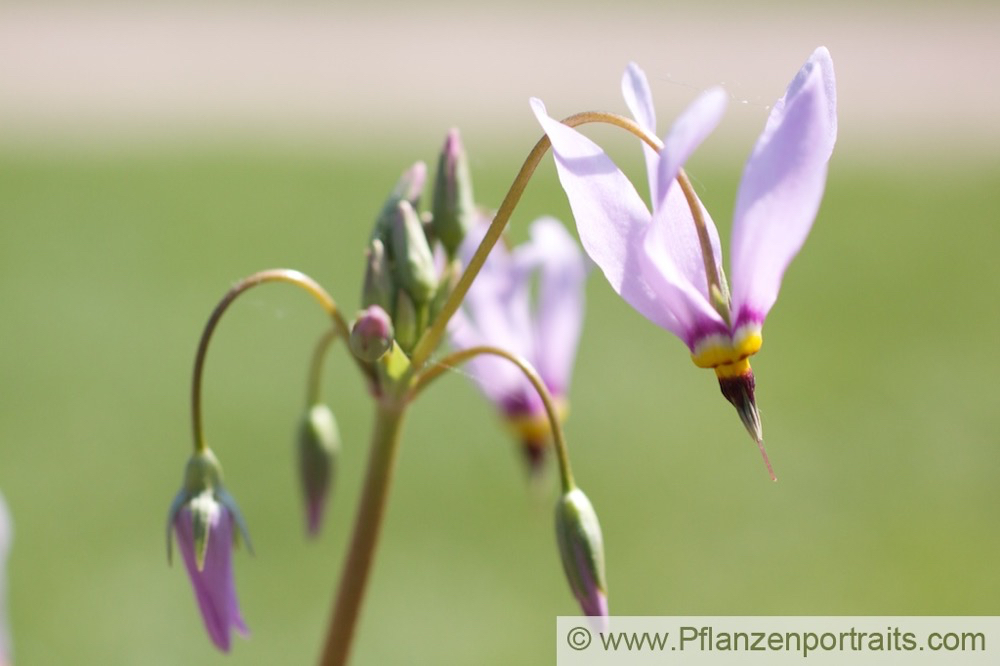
[(406, 322), (378, 288), (318, 449), (371, 335), (453, 205), (411, 255), (408, 188), (581, 548)]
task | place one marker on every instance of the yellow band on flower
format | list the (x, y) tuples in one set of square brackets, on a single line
[(728, 355), (536, 427)]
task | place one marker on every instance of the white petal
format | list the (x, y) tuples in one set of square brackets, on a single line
[(673, 265), (558, 314)]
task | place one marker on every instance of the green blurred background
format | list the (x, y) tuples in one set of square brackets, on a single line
[(119, 232)]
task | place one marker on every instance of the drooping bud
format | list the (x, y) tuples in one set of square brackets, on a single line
[(408, 188), (406, 321), (208, 523), (411, 254), (581, 548), (318, 449), (203, 496), (378, 287), (371, 335), (453, 204)]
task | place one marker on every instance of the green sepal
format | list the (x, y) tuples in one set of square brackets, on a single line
[(405, 321), (395, 365), (179, 499), (227, 500), (203, 508)]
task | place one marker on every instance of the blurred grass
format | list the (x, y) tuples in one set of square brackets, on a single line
[(877, 385)]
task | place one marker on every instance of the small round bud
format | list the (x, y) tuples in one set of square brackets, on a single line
[(371, 336)]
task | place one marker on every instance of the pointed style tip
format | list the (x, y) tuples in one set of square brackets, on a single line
[(767, 461)]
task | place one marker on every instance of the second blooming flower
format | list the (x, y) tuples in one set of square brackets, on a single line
[(499, 311)]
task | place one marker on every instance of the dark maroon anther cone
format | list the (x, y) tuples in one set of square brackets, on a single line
[(739, 391), (534, 455)]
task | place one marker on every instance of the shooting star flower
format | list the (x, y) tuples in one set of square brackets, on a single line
[(498, 311), (657, 260)]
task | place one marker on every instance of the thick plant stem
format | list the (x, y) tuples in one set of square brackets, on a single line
[(367, 526)]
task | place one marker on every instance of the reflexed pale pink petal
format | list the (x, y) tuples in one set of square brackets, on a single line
[(214, 587), (498, 301), (674, 232), (610, 217), (639, 100), (673, 265), (782, 186), (673, 262), (495, 312), (554, 254), (495, 377), (690, 129)]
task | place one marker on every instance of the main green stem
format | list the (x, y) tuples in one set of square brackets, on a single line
[(367, 526)]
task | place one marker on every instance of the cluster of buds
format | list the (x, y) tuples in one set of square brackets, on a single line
[(404, 277)]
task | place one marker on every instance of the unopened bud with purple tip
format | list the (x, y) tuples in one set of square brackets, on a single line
[(412, 259), (378, 286), (318, 448), (582, 550), (371, 335), (208, 524), (453, 205), (409, 188)]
